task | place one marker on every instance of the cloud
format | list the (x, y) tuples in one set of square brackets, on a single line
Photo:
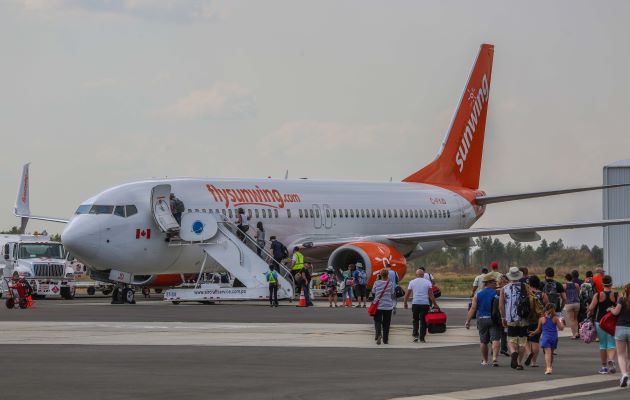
[(222, 101), (170, 10)]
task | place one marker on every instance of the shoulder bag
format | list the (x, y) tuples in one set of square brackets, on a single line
[(374, 306)]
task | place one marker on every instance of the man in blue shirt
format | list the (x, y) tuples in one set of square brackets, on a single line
[(489, 330)]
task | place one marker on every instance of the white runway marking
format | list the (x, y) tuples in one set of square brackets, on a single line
[(522, 388), (221, 334)]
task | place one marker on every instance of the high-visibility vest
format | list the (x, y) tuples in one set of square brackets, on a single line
[(299, 261), (272, 277)]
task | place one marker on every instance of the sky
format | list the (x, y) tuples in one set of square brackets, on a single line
[(97, 93)]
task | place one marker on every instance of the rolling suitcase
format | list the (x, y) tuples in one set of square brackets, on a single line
[(436, 321)]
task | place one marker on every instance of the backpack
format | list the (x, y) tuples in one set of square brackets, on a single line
[(496, 311), (537, 309), (587, 331), (179, 206), (523, 306), (362, 278), (550, 288), (587, 292)]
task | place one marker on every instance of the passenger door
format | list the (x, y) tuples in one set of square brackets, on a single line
[(161, 209), (327, 215), (317, 216)]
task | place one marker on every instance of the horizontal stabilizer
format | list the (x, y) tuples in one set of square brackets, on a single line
[(484, 200)]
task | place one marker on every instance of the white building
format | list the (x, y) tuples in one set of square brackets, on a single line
[(617, 238)]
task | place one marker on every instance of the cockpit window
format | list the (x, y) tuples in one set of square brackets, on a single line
[(83, 209), (120, 211), (131, 210), (100, 209)]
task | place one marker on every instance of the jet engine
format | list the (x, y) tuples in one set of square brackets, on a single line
[(374, 256), (159, 281)]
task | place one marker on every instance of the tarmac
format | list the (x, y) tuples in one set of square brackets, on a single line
[(87, 348)]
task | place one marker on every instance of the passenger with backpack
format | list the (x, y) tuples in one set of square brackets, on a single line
[(601, 303), (278, 250), (177, 208), (587, 292), (538, 301), (515, 308), (572, 306), (489, 329), (554, 290), (360, 284)]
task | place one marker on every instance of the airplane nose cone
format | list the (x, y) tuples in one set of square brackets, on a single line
[(81, 237)]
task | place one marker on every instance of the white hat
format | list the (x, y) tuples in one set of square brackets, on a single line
[(514, 274)]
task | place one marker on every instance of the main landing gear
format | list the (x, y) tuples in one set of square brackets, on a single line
[(123, 294)]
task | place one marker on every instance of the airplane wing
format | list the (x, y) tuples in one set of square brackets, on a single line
[(483, 200), (42, 218), (523, 232)]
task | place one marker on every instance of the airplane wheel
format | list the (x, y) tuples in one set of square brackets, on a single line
[(10, 303), (158, 290), (207, 302), (68, 293), (129, 296), (23, 303), (91, 291), (176, 302), (107, 292)]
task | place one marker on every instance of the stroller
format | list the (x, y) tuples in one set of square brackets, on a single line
[(19, 293)]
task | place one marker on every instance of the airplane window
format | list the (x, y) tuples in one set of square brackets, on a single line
[(275, 212), (196, 210), (120, 211), (317, 213), (203, 210), (448, 213), (288, 213), (327, 213), (345, 212), (216, 210), (210, 210), (434, 214), (389, 213), (249, 213), (264, 213), (351, 213), (362, 213), (223, 211), (406, 214), (257, 214), (310, 213), (425, 214), (96, 209), (357, 213), (334, 213), (230, 213), (131, 210), (401, 213), (378, 213), (415, 213), (300, 212), (83, 209)]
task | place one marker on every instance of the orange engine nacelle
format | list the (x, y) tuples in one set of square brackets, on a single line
[(374, 257)]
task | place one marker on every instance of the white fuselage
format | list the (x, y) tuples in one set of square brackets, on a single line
[(291, 210)]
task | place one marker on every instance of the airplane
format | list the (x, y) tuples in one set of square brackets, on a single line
[(129, 228)]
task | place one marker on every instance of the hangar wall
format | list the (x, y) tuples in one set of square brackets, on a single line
[(617, 238)]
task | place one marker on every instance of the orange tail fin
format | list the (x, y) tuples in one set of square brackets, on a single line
[(459, 160)]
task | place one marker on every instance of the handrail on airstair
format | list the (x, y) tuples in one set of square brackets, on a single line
[(284, 271)]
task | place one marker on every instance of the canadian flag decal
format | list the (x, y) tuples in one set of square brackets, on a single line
[(143, 233)]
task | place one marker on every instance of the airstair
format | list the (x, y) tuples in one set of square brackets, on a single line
[(217, 238)]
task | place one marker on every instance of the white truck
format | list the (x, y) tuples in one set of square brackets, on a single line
[(40, 261)]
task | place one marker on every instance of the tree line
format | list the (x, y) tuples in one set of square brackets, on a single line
[(487, 250)]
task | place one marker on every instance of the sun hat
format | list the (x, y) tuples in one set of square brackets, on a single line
[(514, 274), (489, 278)]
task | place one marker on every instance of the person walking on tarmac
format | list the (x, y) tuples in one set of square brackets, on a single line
[(272, 278), (305, 276)]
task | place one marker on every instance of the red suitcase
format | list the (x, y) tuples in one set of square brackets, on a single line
[(436, 321)]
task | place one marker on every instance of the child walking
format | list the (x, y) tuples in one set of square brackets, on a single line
[(549, 324)]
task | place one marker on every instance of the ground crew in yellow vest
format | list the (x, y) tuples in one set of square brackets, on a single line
[(272, 278), (297, 265)]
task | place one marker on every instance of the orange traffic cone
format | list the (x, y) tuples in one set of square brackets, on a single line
[(348, 301), (302, 302)]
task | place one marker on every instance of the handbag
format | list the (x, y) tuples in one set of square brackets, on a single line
[(608, 323), (587, 331), (436, 291), (374, 306)]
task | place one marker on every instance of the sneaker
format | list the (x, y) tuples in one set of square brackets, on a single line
[(415, 339), (514, 360), (528, 360), (603, 370), (611, 367), (378, 340), (623, 382), (422, 341)]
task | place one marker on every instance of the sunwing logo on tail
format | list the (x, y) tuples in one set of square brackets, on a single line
[(479, 100)]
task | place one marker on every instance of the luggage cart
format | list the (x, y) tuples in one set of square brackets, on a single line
[(18, 294)]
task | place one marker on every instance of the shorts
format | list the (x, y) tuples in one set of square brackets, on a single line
[(535, 338), (622, 333), (488, 331), (606, 341), (575, 307), (517, 332), (549, 342), (361, 290)]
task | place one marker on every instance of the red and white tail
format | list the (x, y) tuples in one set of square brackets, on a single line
[(459, 160)]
